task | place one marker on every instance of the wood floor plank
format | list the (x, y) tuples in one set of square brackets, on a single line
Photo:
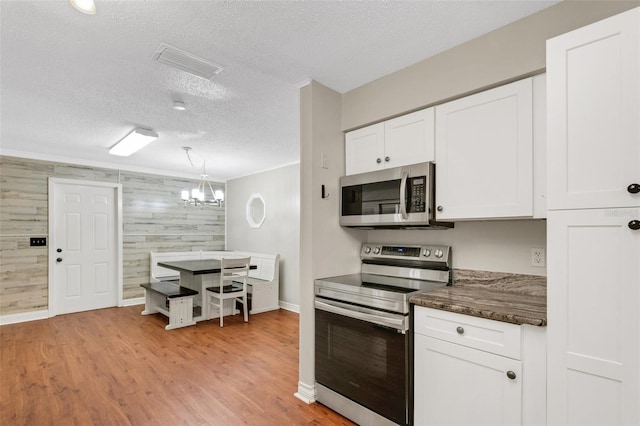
[(117, 367)]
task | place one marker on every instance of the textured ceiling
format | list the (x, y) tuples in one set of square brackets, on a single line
[(72, 85)]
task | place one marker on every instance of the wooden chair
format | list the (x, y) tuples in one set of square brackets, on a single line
[(233, 285)]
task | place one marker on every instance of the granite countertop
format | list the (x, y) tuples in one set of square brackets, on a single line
[(513, 298)]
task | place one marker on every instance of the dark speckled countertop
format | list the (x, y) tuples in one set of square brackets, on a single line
[(513, 298)]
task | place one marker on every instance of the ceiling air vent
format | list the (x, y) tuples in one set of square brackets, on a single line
[(186, 61)]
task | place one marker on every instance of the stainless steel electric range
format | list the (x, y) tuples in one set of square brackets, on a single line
[(363, 342)]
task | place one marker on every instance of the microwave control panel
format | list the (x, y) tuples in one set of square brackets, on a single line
[(417, 196)]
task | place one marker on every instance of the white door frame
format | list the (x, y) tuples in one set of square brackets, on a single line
[(118, 237)]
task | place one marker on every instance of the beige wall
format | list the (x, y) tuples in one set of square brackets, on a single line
[(505, 54), (326, 249), (153, 220), (280, 232)]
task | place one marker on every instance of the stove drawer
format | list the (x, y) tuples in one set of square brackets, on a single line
[(496, 337)]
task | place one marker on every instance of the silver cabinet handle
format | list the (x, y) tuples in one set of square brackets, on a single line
[(511, 375), (460, 330), (440, 208), (387, 159), (378, 160)]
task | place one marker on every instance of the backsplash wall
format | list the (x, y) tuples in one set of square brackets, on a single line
[(153, 219), (497, 246)]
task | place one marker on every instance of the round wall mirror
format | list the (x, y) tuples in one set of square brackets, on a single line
[(256, 211)]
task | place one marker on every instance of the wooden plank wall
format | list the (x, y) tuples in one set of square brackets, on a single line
[(153, 217)]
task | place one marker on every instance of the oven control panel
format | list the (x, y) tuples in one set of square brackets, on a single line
[(430, 253)]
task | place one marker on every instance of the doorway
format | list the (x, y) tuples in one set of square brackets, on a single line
[(85, 245)]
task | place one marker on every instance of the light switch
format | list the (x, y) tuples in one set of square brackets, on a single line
[(324, 163), (37, 242)]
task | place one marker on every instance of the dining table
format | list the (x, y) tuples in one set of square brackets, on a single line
[(198, 275)]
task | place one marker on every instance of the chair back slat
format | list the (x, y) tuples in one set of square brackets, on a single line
[(232, 270)]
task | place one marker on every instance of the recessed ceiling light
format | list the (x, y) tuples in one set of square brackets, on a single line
[(84, 6), (134, 141), (179, 106)]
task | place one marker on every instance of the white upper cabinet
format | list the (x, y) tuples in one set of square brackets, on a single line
[(484, 154), (404, 140), (594, 115), (409, 139), (364, 149)]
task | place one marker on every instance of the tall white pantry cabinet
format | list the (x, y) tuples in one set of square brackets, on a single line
[(593, 224)]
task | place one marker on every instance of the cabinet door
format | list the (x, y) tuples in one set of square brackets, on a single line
[(456, 385), (409, 139), (364, 149), (484, 154), (593, 82), (594, 325)]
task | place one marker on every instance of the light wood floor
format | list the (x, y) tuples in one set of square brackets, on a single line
[(116, 367)]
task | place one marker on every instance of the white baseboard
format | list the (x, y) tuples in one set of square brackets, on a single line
[(23, 317), (132, 302), (290, 307), (306, 393)]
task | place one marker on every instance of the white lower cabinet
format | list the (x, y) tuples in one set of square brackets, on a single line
[(470, 371), (594, 320), (462, 386)]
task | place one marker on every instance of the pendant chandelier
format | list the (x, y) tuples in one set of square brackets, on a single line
[(203, 194)]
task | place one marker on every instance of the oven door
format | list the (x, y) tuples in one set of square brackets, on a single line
[(364, 356)]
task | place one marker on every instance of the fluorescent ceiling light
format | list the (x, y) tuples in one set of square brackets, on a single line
[(84, 6), (134, 141)]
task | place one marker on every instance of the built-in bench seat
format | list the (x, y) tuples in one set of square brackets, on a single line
[(171, 300), (264, 281)]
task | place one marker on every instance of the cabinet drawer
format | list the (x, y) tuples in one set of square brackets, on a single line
[(496, 337)]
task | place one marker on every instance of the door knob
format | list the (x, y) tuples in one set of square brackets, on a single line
[(387, 158), (378, 160), (634, 188), (59, 250), (460, 330), (59, 260), (634, 224), (511, 375), (440, 208)]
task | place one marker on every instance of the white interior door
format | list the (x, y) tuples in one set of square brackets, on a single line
[(83, 248)]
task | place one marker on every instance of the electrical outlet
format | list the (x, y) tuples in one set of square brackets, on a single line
[(538, 257)]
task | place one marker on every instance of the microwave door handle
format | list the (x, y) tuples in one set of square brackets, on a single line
[(403, 195)]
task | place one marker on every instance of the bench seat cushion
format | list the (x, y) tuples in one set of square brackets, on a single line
[(169, 289)]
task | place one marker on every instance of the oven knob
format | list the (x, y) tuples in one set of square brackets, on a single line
[(426, 253), (367, 250), (439, 253), (376, 250)]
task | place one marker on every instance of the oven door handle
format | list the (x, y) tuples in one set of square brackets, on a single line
[(403, 195), (395, 323)]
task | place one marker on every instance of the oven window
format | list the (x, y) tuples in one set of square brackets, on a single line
[(364, 362), (342, 353)]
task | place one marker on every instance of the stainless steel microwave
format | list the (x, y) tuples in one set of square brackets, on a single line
[(401, 197)]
